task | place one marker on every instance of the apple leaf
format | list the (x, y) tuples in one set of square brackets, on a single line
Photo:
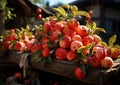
[(83, 13), (93, 25), (60, 37), (100, 29), (49, 59), (61, 11), (43, 61), (91, 49), (112, 50), (112, 40), (66, 6), (82, 66), (83, 57), (74, 9), (103, 43), (81, 49), (88, 25)]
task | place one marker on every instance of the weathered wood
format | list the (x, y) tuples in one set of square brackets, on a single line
[(95, 76)]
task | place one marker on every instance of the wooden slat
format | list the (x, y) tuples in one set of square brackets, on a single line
[(64, 68)]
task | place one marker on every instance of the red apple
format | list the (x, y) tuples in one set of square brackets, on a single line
[(75, 45), (88, 40), (65, 42), (46, 52), (82, 30), (60, 53), (107, 62), (100, 54), (76, 38), (79, 73), (71, 55), (73, 24)]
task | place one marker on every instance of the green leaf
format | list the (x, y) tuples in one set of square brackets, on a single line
[(81, 49), (103, 43), (59, 37), (12, 43), (66, 6), (88, 25), (74, 9), (83, 67), (83, 13), (43, 61), (61, 11), (112, 40), (36, 58), (83, 57), (49, 59), (91, 48), (100, 29), (93, 25)]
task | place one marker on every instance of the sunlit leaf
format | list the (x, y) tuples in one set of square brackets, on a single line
[(60, 10), (74, 9), (83, 13), (88, 25), (93, 25), (67, 6), (91, 48), (112, 40), (100, 29), (103, 43), (81, 49)]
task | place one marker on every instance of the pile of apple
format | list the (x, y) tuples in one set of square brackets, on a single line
[(64, 38)]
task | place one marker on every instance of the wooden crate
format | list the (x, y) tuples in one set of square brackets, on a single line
[(95, 76)]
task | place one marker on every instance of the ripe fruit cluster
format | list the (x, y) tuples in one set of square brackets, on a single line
[(39, 15), (64, 38)]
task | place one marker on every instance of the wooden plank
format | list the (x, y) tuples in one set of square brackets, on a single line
[(96, 76)]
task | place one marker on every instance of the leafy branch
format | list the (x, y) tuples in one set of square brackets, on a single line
[(6, 10)]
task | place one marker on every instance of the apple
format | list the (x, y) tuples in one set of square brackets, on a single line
[(39, 16), (46, 52), (100, 54), (85, 61), (75, 45), (107, 52), (115, 53), (88, 40), (73, 24), (58, 26), (77, 38), (39, 10), (18, 75), (79, 73), (96, 38), (45, 43), (60, 53), (107, 62), (54, 35), (47, 26), (71, 55), (94, 62), (35, 47), (65, 42), (82, 30)]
